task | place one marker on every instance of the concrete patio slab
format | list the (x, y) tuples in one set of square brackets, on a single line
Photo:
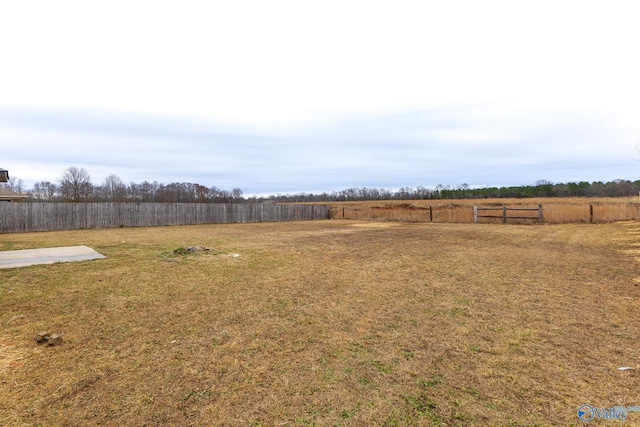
[(22, 258)]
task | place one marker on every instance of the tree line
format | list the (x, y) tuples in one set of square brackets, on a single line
[(75, 185), (617, 188)]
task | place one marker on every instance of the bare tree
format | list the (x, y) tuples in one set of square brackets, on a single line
[(236, 194), (44, 190), (75, 184), (14, 184), (202, 193), (114, 189)]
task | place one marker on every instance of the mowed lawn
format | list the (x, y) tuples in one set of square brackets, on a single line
[(324, 323)]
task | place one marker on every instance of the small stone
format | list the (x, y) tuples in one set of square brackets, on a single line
[(55, 339), (42, 337)]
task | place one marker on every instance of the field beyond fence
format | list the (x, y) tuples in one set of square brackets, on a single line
[(25, 217), (554, 210)]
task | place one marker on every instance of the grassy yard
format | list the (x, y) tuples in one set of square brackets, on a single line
[(324, 323)]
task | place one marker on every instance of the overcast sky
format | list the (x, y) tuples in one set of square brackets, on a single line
[(312, 96)]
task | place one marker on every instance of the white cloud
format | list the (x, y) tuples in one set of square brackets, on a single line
[(319, 95)]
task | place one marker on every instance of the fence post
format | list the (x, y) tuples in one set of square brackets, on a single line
[(504, 214), (591, 213), (475, 214), (430, 213), (540, 214)]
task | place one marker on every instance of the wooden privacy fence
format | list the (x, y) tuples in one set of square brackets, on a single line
[(25, 217), (504, 215)]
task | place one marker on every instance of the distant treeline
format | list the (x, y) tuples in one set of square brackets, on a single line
[(617, 188), (75, 186)]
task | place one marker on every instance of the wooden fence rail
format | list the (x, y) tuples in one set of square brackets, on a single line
[(562, 212), (26, 217), (404, 212), (504, 215)]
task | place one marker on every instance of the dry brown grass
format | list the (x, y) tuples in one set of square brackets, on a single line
[(324, 323), (556, 210)]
